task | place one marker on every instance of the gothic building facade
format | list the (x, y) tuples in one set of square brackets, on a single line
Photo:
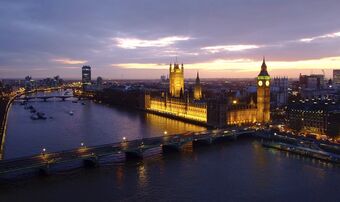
[(176, 80), (217, 112)]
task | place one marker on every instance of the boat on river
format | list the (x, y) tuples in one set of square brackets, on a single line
[(38, 116)]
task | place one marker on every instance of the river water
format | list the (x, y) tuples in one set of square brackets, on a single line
[(233, 171)]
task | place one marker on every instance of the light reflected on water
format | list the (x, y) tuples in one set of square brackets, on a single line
[(120, 175), (142, 175), (171, 126)]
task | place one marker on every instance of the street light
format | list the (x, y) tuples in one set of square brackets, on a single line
[(43, 152), (165, 132), (82, 144)]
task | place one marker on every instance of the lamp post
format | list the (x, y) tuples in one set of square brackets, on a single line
[(43, 152)]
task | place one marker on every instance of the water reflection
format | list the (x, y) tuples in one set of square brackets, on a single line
[(171, 126), (142, 175), (120, 175)]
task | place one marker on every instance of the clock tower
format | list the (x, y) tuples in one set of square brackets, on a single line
[(263, 95)]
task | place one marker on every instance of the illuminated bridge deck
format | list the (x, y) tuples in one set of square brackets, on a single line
[(44, 161)]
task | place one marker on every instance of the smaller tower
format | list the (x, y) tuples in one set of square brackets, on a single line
[(176, 80), (198, 88)]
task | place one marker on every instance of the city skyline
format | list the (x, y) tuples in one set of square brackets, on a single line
[(138, 40), (182, 100)]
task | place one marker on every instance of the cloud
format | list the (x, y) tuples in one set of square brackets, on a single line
[(231, 48), (140, 66), (70, 67), (244, 64), (133, 43), (198, 32), (66, 61), (325, 36)]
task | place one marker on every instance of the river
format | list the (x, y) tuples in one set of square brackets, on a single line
[(233, 171)]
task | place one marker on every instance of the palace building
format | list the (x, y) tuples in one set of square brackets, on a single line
[(215, 111)]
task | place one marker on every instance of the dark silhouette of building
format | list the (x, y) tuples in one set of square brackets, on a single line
[(279, 91), (86, 75), (336, 76)]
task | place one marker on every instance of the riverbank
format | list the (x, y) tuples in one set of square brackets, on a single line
[(5, 106)]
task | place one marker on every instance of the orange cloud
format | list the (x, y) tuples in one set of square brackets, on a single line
[(245, 65), (331, 35), (67, 61), (133, 43), (231, 48)]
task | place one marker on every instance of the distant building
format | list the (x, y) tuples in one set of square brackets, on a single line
[(313, 81), (279, 90), (314, 116), (198, 88), (336, 76), (99, 81), (176, 85), (163, 78), (29, 83), (86, 75)]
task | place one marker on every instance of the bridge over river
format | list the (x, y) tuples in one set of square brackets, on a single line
[(90, 156)]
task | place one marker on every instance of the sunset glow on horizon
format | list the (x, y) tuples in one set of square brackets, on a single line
[(128, 40)]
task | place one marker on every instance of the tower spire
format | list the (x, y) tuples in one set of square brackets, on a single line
[(264, 68)]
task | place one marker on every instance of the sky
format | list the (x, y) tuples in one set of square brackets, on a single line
[(138, 39)]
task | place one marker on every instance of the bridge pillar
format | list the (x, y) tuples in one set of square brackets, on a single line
[(134, 154), (45, 170), (91, 162), (203, 141), (226, 137), (171, 147)]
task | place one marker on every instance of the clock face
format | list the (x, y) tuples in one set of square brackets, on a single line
[(260, 83), (267, 83)]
